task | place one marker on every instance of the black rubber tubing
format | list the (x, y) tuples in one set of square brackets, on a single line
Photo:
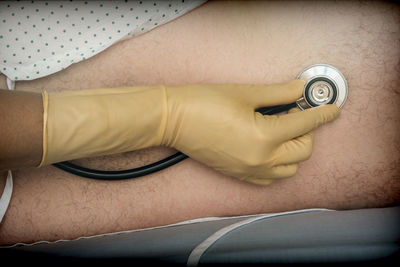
[(123, 174), (151, 168)]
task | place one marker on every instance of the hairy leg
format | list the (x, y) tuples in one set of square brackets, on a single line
[(356, 159)]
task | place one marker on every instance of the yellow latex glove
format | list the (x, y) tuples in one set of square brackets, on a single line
[(214, 124)]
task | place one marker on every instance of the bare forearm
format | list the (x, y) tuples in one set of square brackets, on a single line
[(21, 131)]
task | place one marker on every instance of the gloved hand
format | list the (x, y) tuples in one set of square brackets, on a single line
[(214, 124), (218, 126)]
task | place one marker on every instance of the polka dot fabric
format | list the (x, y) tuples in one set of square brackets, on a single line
[(39, 38)]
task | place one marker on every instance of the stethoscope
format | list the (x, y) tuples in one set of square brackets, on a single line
[(324, 84)]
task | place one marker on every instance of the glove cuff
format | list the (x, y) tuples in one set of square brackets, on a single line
[(88, 123)]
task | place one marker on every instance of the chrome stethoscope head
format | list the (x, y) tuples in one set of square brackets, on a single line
[(324, 85)]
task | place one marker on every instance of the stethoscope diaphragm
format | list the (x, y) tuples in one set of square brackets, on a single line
[(324, 85)]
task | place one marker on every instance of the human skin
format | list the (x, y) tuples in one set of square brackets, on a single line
[(21, 121), (356, 159)]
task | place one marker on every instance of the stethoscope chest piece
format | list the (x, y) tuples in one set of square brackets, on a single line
[(324, 85)]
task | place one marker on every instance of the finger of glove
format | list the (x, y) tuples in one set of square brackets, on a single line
[(294, 110), (259, 181), (276, 172), (295, 150), (295, 124), (283, 171), (271, 95)]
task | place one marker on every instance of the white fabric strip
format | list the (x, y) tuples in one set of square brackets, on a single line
[(6, 196), (197, 252), (193, 221), (10, 84)]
